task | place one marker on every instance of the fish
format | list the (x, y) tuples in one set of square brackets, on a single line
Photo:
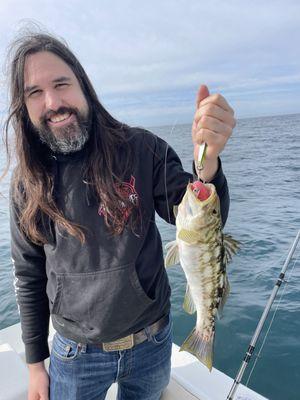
[(203, 251)]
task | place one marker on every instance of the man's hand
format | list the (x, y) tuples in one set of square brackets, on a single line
[(213, 124), (38, 388)]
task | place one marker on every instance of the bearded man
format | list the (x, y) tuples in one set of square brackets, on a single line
[(85, 246)]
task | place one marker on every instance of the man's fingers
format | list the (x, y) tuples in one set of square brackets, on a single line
[(38, 396), (214, 125), (213, 122), (218, 100), (44, 396), (215, 111), (209, 137), (203, 92)]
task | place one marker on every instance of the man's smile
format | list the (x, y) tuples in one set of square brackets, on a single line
[(61, 119), (64, 130)]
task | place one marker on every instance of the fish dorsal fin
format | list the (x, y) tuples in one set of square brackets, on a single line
[(175, 211), (172, 256), (231, 246), (188, 304), (188, 236)]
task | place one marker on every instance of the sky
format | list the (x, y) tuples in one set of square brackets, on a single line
[(146, 60)]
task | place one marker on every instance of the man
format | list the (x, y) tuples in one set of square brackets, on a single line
[(85, 246)]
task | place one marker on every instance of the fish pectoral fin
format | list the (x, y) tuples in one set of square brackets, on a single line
[(200, 347), (172, 256), (175, 211), (188, 236), (224, 297), (188, 303), (231, 246)]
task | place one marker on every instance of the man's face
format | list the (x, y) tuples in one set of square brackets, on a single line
[(55, 102)]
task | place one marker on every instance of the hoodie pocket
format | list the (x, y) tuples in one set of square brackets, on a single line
[(54, 304), (103, 303)]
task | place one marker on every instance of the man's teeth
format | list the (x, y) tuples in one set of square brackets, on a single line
[(60, 118)]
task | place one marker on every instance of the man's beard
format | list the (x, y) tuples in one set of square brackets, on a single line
[(67, 139)]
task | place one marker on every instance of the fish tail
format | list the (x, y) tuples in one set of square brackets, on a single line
[(200, 347)]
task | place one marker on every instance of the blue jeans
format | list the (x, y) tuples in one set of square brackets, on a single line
[(86, 372)]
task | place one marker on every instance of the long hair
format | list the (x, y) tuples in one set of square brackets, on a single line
[(33, 183)]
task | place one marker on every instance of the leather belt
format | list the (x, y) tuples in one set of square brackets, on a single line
[(129, 341)]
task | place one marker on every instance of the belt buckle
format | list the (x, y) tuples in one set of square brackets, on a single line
[(124, 343)]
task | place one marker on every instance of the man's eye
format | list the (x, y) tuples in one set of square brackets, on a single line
[(61, 85), (34, 93)]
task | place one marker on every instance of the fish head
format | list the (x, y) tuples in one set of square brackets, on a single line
[(195, 213)]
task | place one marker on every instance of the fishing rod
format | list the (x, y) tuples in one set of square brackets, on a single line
[(262, 320)]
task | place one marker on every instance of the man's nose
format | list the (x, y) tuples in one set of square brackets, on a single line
[(52, 100)]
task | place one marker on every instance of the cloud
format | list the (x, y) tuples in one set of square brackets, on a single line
[(138, 50)]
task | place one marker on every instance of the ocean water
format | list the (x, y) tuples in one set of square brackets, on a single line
[(261, 163)]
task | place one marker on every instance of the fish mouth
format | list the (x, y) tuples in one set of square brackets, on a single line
[(193, 194)]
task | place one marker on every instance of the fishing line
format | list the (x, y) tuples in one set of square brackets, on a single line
[(165, 174), (272, 320), (271, 265), (250, 351)]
